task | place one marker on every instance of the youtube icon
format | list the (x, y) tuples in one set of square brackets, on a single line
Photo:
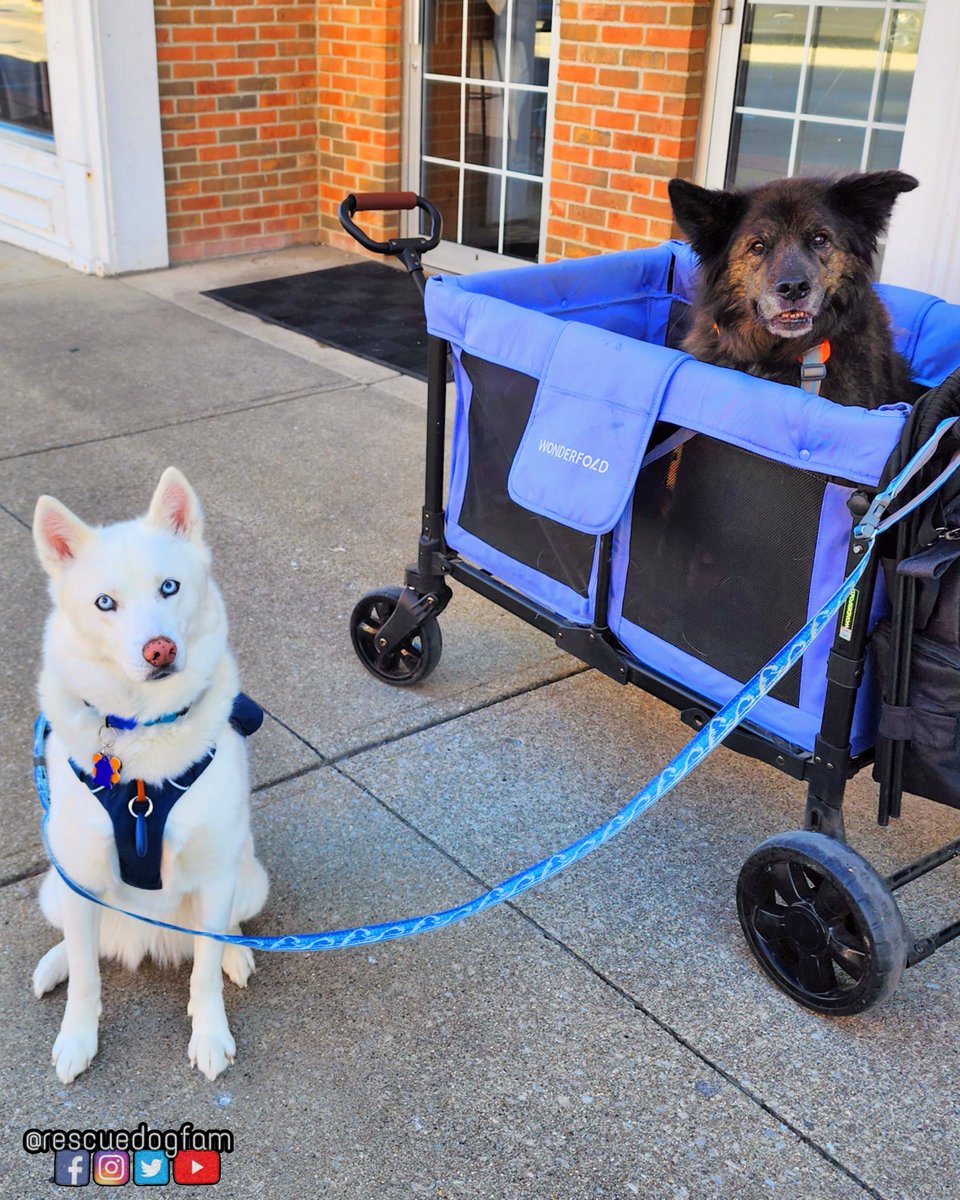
[(196, 1166)]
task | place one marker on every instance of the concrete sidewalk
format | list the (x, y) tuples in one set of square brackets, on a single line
[(606, 1036)]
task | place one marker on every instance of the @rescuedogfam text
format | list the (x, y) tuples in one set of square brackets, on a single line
[(169, 1141)]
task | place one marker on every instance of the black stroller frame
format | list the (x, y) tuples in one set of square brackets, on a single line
[(822, 923)]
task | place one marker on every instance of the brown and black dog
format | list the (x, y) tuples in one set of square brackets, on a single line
[(787, 267)]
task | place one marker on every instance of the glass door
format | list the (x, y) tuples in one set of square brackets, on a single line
[(480, 146), (817, 89)]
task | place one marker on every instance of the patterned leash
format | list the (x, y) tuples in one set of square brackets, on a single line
[(703, 743)]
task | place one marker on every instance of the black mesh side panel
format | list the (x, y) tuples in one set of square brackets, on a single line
[(499, 411), (721, 551)]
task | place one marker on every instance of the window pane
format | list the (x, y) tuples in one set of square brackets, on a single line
[(843, 62), (521, 230), (484, 140), (899, 64), (828, 149), (759, 150), (24, 87), (527, 131), (441, 120), (481, 210), (770, 56), (441, 185), (885, 146), (442, 36)]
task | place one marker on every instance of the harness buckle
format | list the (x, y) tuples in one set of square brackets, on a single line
[(813, 372)]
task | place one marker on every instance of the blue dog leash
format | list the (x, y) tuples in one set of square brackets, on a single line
[(702, 744)]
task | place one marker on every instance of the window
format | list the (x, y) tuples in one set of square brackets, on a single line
[(821, 88), (24, 85)]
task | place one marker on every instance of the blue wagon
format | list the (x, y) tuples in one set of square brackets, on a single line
[(672, 524)]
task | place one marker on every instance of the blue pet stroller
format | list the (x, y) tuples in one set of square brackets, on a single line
[(672, 524)]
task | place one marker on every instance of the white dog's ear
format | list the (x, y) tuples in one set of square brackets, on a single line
[(57, 533), (175, 507)]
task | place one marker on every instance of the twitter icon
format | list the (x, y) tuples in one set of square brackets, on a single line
[(151, 1166)]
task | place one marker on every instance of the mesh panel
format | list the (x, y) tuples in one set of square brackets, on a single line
[(499, 411), (721, 550)]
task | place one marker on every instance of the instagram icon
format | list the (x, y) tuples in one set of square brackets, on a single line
[(111, 1167)]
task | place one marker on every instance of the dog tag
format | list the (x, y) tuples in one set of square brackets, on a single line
[(106, 771)]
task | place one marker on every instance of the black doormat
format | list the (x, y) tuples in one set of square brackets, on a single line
[(366, 308)]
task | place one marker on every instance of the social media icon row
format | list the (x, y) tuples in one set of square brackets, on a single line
[(111, 1168)]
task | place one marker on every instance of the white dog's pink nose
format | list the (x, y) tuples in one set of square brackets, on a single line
[(160, 651)]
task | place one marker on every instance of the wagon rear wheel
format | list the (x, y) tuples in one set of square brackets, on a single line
[(821, 922)]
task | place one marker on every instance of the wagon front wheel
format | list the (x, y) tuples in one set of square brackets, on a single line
[(821, 922), (403, 662)]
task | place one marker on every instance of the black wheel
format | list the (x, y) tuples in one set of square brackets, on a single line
[(410, 662), (822, 923)]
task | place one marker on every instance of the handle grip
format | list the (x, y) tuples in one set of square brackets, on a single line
[(391, 202), (384, 201)]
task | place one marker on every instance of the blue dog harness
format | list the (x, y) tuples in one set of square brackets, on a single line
[(139, 814)]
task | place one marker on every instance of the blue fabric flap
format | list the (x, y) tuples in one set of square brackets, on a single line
[(596, 405)]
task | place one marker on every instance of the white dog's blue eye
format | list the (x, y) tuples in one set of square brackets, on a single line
[(169, 587), (105, 603)]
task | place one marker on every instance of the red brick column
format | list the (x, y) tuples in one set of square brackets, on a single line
[(629, 98), (360, 50), (238, 104)]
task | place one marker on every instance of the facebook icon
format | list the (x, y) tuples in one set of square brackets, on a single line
[(71, 1168)]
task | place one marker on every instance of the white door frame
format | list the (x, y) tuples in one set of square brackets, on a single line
[(93, 198), (923, 247), (451, 256)]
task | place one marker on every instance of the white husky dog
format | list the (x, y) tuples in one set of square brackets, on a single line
[(139, 688)]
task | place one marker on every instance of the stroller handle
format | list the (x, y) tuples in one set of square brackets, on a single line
[(391, 202)]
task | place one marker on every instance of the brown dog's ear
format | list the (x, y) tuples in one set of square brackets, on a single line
[(867, 200), (707, 217)]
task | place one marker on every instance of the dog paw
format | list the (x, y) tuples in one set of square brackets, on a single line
[(73, 1052), (212, 1052), (51, 970), (238, 964)]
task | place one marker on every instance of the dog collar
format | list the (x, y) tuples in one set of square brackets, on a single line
[(112, 721), (106, 766), (813, 367), (139, 811)]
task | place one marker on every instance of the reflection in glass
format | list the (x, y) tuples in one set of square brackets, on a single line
[(527, 131), (483, 144), (481, 210), (441, 119), (899, 64), (441, 184), (825, 149), (442, 37), (24, 85), (759, 149), (885, 147), (843, 62), (771, 55), (521, 225)]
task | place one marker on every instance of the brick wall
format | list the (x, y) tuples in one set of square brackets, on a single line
[(238, 103), (629, 98), (272, 112), (359, 58)]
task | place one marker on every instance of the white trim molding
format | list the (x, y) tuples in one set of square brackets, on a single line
[(95, 197), (923, 251)]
